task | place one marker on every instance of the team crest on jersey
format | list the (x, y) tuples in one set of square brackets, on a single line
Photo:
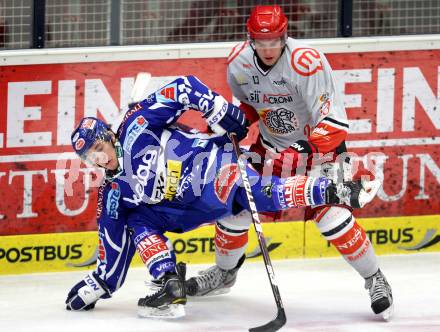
[(167, 93), (224, 181), (280, 121), (306, 61)]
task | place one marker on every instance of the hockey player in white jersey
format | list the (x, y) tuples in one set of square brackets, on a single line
[(288, 87)]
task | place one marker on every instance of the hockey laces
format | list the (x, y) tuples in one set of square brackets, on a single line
[(211, 277), (154, 285), (377, 287)]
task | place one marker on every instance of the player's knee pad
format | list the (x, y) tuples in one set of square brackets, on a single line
[(231, 238), (338, 226), (156, 251)]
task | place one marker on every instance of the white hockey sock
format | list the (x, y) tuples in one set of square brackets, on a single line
[(339, 226)]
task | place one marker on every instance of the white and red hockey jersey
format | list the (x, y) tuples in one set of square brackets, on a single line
[(296, 99)]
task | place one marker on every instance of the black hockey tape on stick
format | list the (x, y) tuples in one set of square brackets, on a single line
[(280, 318)]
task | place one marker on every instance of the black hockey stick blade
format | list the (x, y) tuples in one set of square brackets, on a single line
[(274, 325)]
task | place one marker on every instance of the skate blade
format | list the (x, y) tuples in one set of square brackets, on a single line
[(214, 292), (387, 313), (171, 311), (219, 292)]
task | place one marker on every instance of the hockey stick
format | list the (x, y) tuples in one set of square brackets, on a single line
[(139, 87), (137, 93), (280, 318)]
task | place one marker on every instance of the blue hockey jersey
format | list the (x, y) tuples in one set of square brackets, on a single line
[(172, 181), (160, 185)]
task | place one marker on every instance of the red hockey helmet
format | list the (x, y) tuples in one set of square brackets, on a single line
[(266, 22)]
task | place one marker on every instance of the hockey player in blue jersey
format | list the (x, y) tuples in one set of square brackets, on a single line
[(162, 179)]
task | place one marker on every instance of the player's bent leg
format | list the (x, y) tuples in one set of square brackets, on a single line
[(157, 254), (299, 191), (231, 240), (339, 227)]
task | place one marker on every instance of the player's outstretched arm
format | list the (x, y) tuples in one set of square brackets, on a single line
[(163, 107)]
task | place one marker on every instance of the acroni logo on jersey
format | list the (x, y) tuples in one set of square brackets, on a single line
[(277, 98), (113, 200), (134, 130)]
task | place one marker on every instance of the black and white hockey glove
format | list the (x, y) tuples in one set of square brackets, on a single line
[(226, 118), (86, 293)]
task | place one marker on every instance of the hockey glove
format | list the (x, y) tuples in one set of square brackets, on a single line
[(290, 158), (226, 118), (86, 293)]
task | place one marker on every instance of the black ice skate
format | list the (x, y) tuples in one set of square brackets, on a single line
[(380, 294), (170, 298), (352, 193), (213, 281)]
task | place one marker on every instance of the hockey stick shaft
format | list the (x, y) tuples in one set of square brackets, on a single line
[(139, 87), (280, 319)]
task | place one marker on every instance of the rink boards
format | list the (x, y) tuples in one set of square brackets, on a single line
[(391, 90), (75, 251)]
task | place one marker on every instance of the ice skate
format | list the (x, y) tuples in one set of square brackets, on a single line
[(169, 299), (352, 193), (213, 281), (380, 294)]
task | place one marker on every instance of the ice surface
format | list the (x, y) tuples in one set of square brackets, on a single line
[(318, 295)]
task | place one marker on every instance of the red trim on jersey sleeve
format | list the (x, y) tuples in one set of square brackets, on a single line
[(250, 112), (232, 56), (327, 138)]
